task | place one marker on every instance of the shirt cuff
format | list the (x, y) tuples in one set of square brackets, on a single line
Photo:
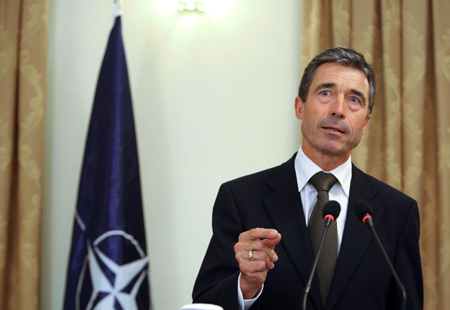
[(245, 304)]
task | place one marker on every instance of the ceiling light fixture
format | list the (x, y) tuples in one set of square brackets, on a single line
[(191, 6)]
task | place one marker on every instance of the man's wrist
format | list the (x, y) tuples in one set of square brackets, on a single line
[(247, 291), (247, 303)]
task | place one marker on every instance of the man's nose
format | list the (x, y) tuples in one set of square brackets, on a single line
[(337, 107)]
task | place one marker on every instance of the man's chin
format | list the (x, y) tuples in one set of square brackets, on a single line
[(333, 150)]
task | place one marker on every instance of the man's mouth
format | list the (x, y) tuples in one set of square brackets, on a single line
[(335, 129)]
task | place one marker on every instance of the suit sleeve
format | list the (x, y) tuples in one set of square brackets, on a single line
[(217, 279), (408, 263)]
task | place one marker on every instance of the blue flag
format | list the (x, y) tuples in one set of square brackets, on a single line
[(108, 264)]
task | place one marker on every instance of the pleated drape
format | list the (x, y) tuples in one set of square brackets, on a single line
[(408, 141), (23, 46)]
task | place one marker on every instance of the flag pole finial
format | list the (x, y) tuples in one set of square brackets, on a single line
[(117, 8)]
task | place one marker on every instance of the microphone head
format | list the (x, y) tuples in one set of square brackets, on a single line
[(362, 208), (332, 208)]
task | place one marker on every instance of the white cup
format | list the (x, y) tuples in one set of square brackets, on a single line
[(201, 307)]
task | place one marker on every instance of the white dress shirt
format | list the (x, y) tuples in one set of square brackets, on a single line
[(305, 168)]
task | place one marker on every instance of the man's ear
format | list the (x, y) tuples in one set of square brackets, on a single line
[(366, 124), (299, 105)]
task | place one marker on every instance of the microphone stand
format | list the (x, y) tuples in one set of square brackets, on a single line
[(380, 245), (363, 211)]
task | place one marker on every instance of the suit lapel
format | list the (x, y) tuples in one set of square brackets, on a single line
[(357, 236), (284, 207)]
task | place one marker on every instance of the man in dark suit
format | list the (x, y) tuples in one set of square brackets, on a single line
[(260, 254)]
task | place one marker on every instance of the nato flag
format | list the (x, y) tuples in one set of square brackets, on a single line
[(108, 265)]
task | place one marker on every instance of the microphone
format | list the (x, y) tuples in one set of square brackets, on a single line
[(364, 212), (330, 213)]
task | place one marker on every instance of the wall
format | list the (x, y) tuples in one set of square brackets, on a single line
[(213, 100)]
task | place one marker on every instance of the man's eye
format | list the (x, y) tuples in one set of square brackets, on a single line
[(355, 99), (325, 92)]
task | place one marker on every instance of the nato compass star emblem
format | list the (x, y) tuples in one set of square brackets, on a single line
[(122, 291)]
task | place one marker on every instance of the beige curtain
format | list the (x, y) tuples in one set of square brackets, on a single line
[(23, 44), (408, 142)]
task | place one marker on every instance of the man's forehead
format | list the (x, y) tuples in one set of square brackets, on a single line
[(337, 74)]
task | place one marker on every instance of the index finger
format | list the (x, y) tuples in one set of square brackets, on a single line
[(260, 233)]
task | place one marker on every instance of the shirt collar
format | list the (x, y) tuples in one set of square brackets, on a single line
[(305, 168)]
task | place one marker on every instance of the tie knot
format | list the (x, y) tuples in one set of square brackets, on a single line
[(323, 181)]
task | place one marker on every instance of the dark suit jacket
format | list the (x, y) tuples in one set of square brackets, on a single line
[(362, 280)]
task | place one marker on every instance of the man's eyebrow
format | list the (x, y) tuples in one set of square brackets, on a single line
[(324, 85)]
